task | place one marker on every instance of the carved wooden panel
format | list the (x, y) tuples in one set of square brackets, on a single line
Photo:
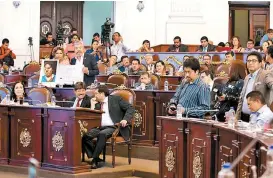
[(144, 124), (69, 12), (226, 148), (4, 135), (63, 129), (200, 149), (162, 98), (47, 18), (26, 134), (248, 160), (172, 149)]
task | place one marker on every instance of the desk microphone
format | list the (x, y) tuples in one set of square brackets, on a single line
[(105, 83), (40, 102), (204, 110)]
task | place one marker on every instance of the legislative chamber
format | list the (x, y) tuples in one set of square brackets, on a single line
[(150, 89)]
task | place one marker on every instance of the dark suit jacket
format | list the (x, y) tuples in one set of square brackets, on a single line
[(211, 48), (120, 110), (90, 62), (85, 102), (182, 48)]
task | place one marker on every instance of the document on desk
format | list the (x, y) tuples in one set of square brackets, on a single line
[(70, 74)]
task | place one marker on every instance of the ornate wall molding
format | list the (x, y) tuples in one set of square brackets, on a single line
[(25, 137), (57, 141)]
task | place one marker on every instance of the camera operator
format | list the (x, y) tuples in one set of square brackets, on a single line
[(118, 48), (228, 95)]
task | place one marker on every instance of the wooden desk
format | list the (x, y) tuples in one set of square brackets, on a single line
[(196, 148), (26, 134), (45, 51), (4, 135), (62, 138)]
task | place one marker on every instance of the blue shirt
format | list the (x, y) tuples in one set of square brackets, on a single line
[(263, 116), (193, 97), (89, 51), (264, 38)]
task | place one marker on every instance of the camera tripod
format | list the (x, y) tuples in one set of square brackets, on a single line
[(30, 44)]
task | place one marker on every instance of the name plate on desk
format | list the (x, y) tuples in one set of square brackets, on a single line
[(70, 74)]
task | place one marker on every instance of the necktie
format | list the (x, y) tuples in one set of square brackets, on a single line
[(101, 106), (78, 103)]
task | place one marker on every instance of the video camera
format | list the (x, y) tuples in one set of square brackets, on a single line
[(106, 29), (60, 33)]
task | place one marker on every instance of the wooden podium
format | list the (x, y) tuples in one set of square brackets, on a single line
[(26, 134), (62, 143), (4, 135)]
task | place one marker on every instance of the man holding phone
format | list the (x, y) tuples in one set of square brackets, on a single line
[(192, 94)]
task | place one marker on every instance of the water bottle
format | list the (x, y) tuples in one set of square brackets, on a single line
[(166, 85), (226, 172), (269, 163), (179, 111), (29, 82), (8, 98), (126, 71), (53, 100), (10, 71), (96, 82), (269, 154), (231, 118), (171, 72)]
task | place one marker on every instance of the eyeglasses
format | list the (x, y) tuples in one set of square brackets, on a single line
[(253, 61)]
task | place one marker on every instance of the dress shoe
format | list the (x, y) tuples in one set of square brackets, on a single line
[(94, 164)]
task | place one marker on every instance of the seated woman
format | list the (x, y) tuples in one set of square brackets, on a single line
[(95, 50), (112, 64), (17, 96), (160, 68), (265, 46), (58, 54), (70, 48), (145, 47), (236, 45)]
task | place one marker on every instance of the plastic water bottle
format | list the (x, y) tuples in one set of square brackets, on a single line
[(126, 71), (269, 163), (269, 154), (166, 85), (226, 172), (29, 82), (231, 118), (96, 82), (10, 71), (8, 98), (53, 100), (171, 72), (179, 111)]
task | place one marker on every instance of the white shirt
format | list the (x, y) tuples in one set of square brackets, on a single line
[(79, 62), (106, 119), (119, 50), (262, 116), (76, 101)]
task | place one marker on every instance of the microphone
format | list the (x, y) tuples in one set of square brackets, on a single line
[(105, 83), (204, 110), (38, 101)]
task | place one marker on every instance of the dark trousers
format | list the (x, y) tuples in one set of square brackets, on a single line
[(102, 134)]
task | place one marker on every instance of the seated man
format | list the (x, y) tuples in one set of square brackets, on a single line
[(49, 40), (81, 99), (125, 62), (261, 113), (145, 82), (193, 94), (150, 63), (135, 67), (116, 110), (6, 55)]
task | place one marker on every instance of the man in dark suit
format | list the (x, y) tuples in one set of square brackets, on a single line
[(88, 64), (81, 99), (205, 46), (116, 110), (177, 46)]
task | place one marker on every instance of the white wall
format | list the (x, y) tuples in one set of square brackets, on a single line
[(193, 19), (18, 24)]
